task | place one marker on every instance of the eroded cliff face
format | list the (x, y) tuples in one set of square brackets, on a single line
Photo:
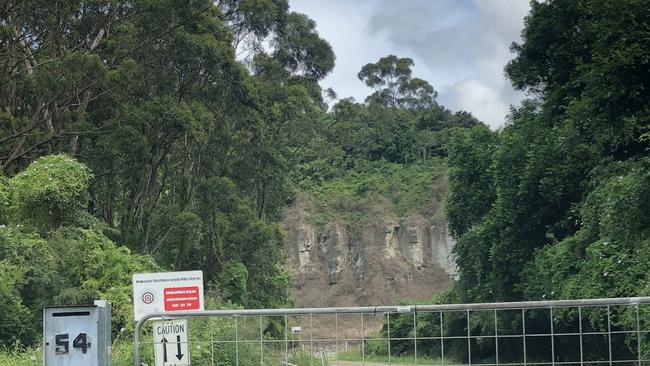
[(378, 262)]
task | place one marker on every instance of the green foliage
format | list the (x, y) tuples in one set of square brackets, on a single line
[(5, 199), (301, 50), (607, 256), (539, 175), (71, 266), (554, 206), (52, 191), (353, 134), (598, 71), (31, 282), (92, 267), (21, 357), (189, 146), (375, 189), (394, 86), (58, 264), (16, 319), (470, 151), (232, 282)]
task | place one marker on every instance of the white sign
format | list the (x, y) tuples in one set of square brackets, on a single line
[(170, 342), (296, 330), (167, 291)]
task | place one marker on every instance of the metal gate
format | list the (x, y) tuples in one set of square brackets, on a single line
[(566, 332)]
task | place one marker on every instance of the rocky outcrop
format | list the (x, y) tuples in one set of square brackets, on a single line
[(379, 262)]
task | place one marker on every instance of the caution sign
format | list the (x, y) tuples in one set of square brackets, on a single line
[(167, 291), (171, 347)]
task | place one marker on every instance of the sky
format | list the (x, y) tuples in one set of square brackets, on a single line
[(459, 46)]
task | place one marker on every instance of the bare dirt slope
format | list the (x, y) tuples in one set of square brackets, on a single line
[(382, 261)]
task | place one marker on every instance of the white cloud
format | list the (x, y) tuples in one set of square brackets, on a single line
[(503, 16), (459, 46), (480, 98)]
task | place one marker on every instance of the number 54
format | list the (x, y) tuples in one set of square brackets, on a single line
[(63, 344)]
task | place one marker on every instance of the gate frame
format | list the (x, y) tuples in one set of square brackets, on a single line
[(550, 304)]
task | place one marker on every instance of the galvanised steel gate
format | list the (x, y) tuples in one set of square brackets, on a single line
[(566, 332)]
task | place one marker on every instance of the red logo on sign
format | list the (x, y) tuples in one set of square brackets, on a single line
[(182, 298)]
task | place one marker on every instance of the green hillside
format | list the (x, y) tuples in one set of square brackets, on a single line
[(143, 135)]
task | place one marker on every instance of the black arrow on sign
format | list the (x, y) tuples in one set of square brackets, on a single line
[(164, 342), (179, 355)]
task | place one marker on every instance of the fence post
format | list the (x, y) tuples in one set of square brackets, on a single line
[(136, 341)]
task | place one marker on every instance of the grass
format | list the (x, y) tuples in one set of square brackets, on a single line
[(355, 355), (122, 355), (301, 358), (21, 357)]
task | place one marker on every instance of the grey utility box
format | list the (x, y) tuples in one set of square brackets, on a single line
[(77, 335)]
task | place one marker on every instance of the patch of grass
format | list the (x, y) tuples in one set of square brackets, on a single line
[(302, 358), (21, 357), (355, 355), (122, 355)]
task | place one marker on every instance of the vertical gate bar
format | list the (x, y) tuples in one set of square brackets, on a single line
[(336, 319), (211, 345), (523, 332), (580, 332), (363, 341), (311, 339), (496, 338), (261, 343), (638, 335), (415, 335), (136, 343), (442, 342), (552, 338), (286, 339), (609, 334), (469, 340), (389, 358), (236, 341)]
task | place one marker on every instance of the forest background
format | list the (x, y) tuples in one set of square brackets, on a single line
[(152, 135)]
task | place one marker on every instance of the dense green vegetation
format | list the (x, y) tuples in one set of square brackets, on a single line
[(558, 200), (158, 141), (156, 135), (130, 127), (375, 189), (384, 156), (54, 252), (555, 205), (188, 146)]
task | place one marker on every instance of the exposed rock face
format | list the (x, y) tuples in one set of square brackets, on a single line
[(377, 263)]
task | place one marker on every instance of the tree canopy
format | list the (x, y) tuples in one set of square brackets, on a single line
[(394, 86), (149, 135), (536, 187), (551, 206), (166, 129)]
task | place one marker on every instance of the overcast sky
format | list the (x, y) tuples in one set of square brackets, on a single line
[(459, 46)]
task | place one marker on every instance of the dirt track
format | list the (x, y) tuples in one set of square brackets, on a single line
[(351, 363), (357, 363)]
